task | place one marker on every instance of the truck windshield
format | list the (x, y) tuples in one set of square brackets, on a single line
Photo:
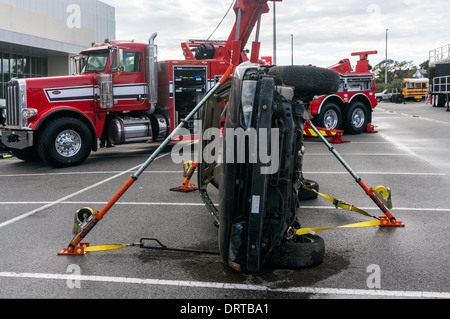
[(96, 62)]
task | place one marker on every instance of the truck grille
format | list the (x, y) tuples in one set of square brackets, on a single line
[(13, 104)]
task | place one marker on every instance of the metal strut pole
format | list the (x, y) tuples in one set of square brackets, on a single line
[(183, 122), (72, 249), (369, 191)]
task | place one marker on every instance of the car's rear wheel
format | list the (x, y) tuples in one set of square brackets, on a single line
[(307, 80)]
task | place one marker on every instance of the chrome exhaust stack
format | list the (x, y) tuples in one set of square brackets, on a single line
[(152, 72)]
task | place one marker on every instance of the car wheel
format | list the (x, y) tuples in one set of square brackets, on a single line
[(399, 99), (307, 80), (299, 252), (304, 194)]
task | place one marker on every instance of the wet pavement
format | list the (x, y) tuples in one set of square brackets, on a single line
[(410, 153)]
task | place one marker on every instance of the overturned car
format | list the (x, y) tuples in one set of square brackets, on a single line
[(259, 177)]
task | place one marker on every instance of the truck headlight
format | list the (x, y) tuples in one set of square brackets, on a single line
[(27, 113), (248, 100)]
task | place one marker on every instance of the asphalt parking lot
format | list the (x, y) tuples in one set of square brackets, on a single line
[(410, 154)]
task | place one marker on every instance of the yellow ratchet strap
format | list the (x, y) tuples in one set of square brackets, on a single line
[(304, 231), (108, 247), (341, 204)]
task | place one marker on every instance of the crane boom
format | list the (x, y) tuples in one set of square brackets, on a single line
[(248, 14)]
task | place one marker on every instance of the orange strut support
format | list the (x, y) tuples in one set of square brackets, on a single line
[(116, 197), (72, 249), (371, 193), (389, 219)]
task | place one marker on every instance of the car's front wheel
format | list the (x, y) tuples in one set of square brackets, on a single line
[(299, 252)]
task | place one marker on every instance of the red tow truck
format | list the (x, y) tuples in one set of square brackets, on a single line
[(350, 109), (120, 91)]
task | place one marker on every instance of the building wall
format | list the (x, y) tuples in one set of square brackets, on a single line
[(41, 35), (62, 24)]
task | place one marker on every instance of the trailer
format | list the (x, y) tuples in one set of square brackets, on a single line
[(439, 76)]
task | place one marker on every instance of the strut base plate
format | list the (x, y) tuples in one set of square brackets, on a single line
[(385, 222), (74, 251)]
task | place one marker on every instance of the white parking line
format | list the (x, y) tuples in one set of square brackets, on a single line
[(85, 173), (415, 209), (50, 204), (228, 286), (104, 203), (413, 116), (360, 154), (379, 173), (181, 172)]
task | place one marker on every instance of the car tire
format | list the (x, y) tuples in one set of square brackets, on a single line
[(399, 99), (304, 194), (299, 252), (307, 80), (65, 142)]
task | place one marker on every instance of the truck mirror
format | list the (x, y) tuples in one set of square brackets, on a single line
[(119, 61)]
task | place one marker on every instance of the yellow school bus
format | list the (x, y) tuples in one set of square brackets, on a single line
[(416, 89)]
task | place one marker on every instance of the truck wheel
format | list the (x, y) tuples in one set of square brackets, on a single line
[(65, 142), (299, 252), (356, 118), (28, 154), (330, 117), (307, 80), (441, 100)]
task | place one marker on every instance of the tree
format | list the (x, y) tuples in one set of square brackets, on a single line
[(397, 71)]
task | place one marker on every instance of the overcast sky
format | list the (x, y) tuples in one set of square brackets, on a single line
[(324, 31)]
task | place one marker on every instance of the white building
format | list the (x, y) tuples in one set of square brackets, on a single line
[(37, 37)]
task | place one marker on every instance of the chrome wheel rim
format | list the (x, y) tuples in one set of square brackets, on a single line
[(68, 143), (330, 119), (358, 118)]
